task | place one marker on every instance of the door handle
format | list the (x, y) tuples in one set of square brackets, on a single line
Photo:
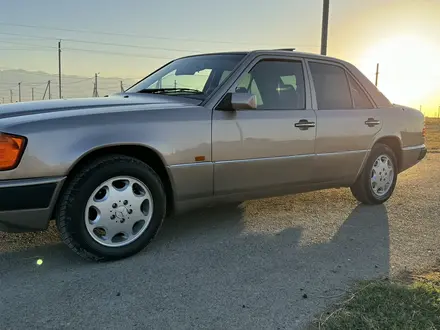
[(304, 124), (371, 122)]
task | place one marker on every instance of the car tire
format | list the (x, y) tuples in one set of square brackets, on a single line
[(96, 203), (377, 181)]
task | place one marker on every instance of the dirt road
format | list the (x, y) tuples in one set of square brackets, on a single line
[(267, 264)]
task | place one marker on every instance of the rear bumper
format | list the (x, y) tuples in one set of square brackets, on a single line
[(27, 205), (411, 156)]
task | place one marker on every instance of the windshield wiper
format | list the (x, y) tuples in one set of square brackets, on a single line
[(169, 90)]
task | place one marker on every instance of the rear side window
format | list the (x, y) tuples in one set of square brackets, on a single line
[(331, 86), (360, 99)]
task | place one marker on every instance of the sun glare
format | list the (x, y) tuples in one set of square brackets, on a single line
[(409, 68)]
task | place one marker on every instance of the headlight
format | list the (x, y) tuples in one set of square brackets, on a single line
[(11, 150)]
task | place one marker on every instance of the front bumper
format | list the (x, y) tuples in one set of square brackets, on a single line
[(27, 205), (411, 156)]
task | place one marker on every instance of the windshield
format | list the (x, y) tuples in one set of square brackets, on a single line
[(196, 76)]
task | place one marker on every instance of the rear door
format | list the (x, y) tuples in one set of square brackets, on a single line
[(348, 122)]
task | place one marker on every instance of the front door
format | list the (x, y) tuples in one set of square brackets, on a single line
[(270, 148), (348, 123)]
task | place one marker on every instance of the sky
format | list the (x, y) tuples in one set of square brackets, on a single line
[(131, 38)]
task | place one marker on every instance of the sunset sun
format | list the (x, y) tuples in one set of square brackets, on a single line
[(409, 67)]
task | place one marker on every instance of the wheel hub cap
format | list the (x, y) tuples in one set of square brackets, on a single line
[(382, 175), (121, 212), (118, 211)]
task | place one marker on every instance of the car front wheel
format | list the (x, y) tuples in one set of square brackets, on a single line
[(111, 209), (376, 183)]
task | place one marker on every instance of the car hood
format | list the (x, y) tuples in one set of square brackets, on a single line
[(115, 100)]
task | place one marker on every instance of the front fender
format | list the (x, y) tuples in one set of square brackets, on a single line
[(55, 145)]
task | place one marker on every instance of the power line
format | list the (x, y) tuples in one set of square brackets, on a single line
[(78, 81), (43, 83), (105, 43), (92, 51), (15, 49), (118, 53), (23, 84), (26, 44), (32, 73), (117, 44), (143, 36)]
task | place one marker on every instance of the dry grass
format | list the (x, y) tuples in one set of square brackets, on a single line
[(432, 139), (408, 302)]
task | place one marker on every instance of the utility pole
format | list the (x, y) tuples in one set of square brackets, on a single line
[(3, 100), (377, 73), (95, 87), (45, 91), (122, 88), (324, 31), (19, 92), (32, 93), (10, 93), (175, 84), (48, 87), (59, 69)]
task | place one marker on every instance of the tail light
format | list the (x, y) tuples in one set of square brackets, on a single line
[(11, 150)]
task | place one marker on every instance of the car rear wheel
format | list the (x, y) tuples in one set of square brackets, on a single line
[(111, 208), (378, 179)]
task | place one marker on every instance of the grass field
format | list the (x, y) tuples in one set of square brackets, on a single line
[(411, 302), (432, 134)]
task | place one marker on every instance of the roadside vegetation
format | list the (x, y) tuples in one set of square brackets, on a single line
[(409, 302), (432, 134)]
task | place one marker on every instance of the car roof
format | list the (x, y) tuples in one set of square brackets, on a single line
[(290, 51), (294, 52)]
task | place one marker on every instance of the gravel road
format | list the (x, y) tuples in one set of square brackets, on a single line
[(266, 264)]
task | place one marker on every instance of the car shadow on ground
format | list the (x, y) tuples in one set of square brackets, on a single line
[(203, 266)]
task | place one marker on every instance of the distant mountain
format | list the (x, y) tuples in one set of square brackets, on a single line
[(72, 86)]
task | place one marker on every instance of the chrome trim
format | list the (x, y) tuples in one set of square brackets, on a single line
[(343, 152), (30, 182), (372, 122), (189, 164), (305, 124), (267, 158), (421, 146), (262, 158)]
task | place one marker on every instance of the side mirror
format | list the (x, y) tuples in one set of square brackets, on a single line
[(243, 101), (238, 101)]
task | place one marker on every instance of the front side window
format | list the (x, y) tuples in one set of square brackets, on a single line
[(247, 84), (195, 76), (277, 84), (331, 86)]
